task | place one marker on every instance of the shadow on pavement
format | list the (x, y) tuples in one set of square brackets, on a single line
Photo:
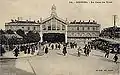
[(75, 54), (108, 60), (7, 67), (59, 53), (97, 55)]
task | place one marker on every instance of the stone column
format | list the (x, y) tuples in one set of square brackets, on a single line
[(41, 34), (65, 33), (56, 24), (51, 24)]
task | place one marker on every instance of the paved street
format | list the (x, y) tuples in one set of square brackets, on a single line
[(54, 63)]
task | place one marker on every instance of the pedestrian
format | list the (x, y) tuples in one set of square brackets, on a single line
[(25, 49), (115, 58), (85, 49), (107, 53), (28, 48), (88, 51), (49, 44), (59, 46), (46, 50), (21, 48), (33, 49), (64, 51), (79, 51), (56, 46), (71, 45), (52, 46), (2, 50), (16, 51), (75, 45)]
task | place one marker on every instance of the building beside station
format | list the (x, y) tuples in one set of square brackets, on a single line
[(57, 29)]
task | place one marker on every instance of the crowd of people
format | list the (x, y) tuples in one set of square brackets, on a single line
[(31, 48), (26, 48)]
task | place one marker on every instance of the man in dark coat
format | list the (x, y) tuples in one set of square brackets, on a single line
[(16, 51), (1, 50), (52, 46), (64, 51), (115, 58), (107, 53), (56, 46), (59, 46), (46, 50)]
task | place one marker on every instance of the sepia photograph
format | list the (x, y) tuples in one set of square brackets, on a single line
[(59, 37)]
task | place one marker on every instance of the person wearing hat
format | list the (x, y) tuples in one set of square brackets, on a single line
[(79, 51), (107, 53), (115, 58)]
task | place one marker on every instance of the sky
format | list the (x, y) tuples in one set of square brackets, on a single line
[(36, 9)]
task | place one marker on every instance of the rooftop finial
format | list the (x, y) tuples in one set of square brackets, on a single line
[(53, 9)]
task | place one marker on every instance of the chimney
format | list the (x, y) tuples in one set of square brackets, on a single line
[(12, 20), (38, 21), (80, 20), (18, 18), (114, 20)]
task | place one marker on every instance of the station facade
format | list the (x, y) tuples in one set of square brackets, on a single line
[(56, 29)]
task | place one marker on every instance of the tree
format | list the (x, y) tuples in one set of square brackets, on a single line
[(2, 32), (33, 37), (37, 37), (3, 39), (12, 40), (1, 50), (21, 32), (10, 31)]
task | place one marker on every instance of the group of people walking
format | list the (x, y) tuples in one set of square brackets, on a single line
[(27, 49), (87, 49), (73, 45), (30, 49), (115, 58)]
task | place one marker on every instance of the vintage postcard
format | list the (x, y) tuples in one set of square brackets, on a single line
[(59, 37)]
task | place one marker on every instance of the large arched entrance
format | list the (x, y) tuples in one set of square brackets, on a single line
[(53, 28), (54, 37)]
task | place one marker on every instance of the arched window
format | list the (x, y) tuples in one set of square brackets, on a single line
[(82, 28), (77, 28), (93, 28), (63, 27), (34, 28), (58, 25), (22, 27), (28, 28), (49, 27), (53, 24), (44, 27), (88, 28)]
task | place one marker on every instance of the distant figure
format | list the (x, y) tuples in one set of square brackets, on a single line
[(64, 51), (79, 51), (88, 50), (25, 49), (46, 50), (56, 46), (28, 48), (49, 44), (85, 49), (16, 51), (59, 46), (107, 53), (75, 45), (1, 50), (115, 58), (52, 46)]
